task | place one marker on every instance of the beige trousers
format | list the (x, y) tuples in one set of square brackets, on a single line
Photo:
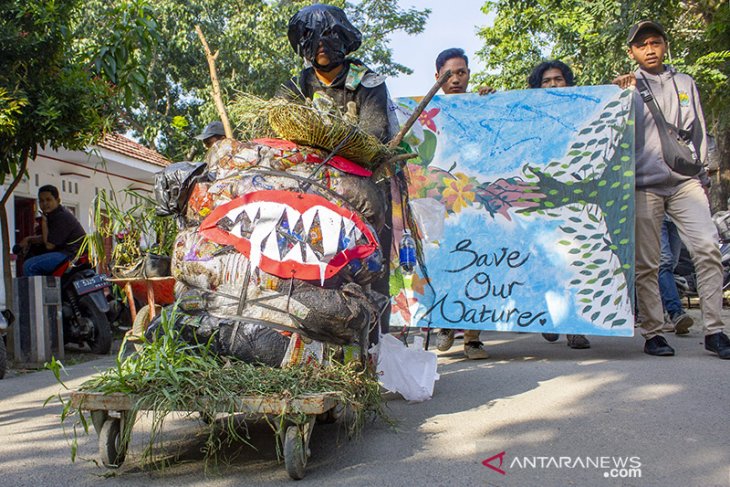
[(689, 209), (471, 336)]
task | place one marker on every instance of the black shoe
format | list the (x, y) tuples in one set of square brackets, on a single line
[(718, 343), (578, 341), (551, 337), (659, 347)]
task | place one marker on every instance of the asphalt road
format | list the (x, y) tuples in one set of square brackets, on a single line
[(554, 416)]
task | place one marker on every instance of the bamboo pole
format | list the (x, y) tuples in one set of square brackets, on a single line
[(419, 109), (216, 90)]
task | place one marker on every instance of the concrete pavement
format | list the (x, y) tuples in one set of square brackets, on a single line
[(550, 414)]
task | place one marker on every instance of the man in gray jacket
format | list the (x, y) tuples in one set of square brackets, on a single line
[(659, 188)]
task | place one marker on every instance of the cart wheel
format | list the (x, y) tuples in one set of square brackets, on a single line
[(331, 415), (97, 419), (112, 449), (295, 453)]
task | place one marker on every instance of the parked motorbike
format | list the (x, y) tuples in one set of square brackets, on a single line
[(684, 274), (84, 305), (6, 319)]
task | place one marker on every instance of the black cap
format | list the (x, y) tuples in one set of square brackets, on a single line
[(213, 128), (644, 24)]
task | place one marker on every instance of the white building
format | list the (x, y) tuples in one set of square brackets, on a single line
[(114, 164)]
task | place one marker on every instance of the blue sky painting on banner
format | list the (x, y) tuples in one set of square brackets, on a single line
[(524, 200)]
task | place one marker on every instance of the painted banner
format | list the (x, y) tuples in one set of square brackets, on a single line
[(524, 205)]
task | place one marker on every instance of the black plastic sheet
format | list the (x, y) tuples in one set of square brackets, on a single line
[(325, 24), (174, 184)]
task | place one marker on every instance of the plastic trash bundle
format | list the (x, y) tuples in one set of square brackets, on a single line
[(280, 238)]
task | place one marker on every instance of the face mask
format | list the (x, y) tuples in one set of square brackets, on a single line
[(333, 48)]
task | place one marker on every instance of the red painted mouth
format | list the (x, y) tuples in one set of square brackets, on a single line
[(291, 234)]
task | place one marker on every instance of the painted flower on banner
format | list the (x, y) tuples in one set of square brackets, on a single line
[(426, 118), (402, 305), (418, 284), (421, 180), (458, 192)]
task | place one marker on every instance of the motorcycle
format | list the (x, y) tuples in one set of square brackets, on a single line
[(684, 273), (84, 305)]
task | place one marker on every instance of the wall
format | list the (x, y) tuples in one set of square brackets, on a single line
[(79, 176)]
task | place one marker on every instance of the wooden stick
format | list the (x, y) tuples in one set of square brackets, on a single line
[(401, 157), (417, 112), (216, 91)]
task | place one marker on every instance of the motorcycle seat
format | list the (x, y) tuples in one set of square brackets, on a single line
[(67, 265)]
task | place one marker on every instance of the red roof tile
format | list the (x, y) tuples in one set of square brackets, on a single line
[(122, 145)]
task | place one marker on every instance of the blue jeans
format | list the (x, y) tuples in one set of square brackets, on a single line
[(44, 264), (671, 245)]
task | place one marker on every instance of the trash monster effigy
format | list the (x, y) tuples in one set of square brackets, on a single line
[(276, 247)]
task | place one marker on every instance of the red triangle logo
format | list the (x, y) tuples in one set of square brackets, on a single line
[(488, 463)]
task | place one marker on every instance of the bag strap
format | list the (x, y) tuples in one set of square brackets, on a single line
[(662, 125), (651, 104), (679, 105)]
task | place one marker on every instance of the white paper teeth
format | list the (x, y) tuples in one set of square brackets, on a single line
[(310, 257), (271, 247), (294, 254), (349, 228), (308, 218), (265, 218), (330, 223)]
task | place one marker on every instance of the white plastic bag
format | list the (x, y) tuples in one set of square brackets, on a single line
[(408, 371), (430, 215)]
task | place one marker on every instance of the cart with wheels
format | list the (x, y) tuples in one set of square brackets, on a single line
[(111, 412)]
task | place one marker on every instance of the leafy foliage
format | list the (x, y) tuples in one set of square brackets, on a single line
[(57, 92), (254, 56), (591, 38)]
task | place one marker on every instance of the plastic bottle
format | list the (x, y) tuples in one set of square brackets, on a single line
[(407, 253)]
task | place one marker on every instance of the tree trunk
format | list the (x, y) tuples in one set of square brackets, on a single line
[(7, 276)]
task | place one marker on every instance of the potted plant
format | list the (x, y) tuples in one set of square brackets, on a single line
[(142, 240)]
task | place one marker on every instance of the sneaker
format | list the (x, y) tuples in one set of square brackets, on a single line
[(658, 346), (475, 351), (718, 343), (578, 341), (682, 321), (551, 337), (668, 326), (444, 339)]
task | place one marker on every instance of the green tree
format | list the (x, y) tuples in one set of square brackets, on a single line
[(54, 91), (254, 56), (591, 38)]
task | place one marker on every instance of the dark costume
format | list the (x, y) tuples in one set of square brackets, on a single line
[(327, 27), (355, 83)]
